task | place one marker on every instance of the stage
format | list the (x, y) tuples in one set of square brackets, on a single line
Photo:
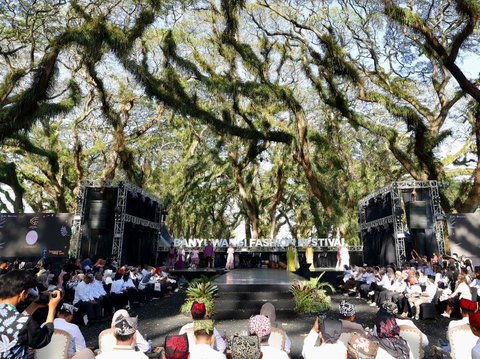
[(259, 276)]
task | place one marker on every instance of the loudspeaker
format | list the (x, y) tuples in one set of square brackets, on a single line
[(97, 217), (417, 215)]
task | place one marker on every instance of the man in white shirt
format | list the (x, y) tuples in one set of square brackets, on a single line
[(124, 332), (84, 299), (198, 311), (260, 326), (424, 297), (77, 341), (330, 346), (100, 295), (204, 339)]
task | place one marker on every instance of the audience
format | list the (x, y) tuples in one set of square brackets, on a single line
[(77, 347), (260, 326), (204, 340), (448, 285), (18, 330), (268, 310), (198, 311), (125, 328), (347, 313), (329, 332), (390, 344)]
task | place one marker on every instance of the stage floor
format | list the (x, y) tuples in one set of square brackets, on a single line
[(257, 277)]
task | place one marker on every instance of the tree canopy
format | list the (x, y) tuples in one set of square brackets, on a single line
[(275, 114)]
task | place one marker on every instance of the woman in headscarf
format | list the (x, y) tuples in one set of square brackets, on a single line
[(390, 344), (278, 338)]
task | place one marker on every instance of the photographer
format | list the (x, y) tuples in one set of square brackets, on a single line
[(18, 330)]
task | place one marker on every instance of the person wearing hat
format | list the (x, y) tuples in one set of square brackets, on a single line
[(198, 311), (473, 310), (124, 329), (176, 347), (260, 326), (347, 317), (268, 310), (204, 340), (77, 341), (392, 309), (329, 332)]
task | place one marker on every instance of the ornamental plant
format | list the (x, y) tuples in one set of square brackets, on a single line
[(311, 296), (200, 290)]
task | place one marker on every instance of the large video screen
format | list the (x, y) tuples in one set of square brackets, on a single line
[(35, 234)]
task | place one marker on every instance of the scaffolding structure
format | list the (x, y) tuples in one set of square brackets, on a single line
[(396, 189), (121, 217)]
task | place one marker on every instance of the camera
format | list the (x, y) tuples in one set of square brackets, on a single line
[(44, 297)]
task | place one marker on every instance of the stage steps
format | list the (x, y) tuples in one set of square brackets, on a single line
[(240, 297)]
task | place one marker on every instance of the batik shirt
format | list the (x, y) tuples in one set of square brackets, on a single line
[(11, 324)]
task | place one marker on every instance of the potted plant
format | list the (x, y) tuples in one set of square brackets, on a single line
[(311, 296)]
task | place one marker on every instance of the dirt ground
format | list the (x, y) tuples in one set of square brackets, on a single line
[(161, 317)]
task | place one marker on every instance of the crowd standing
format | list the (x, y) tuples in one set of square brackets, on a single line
[(36, 298)]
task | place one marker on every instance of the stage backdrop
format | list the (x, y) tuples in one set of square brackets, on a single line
[(464, 235), (35, 234)]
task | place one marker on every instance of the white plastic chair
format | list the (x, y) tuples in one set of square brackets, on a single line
[(414, 338), (57, 348), (462, 340), (277, 339)]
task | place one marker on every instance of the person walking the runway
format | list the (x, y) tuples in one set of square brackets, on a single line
[(230, 258)]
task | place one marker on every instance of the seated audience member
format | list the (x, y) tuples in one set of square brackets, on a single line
[(347, 313), (473, 309), (412, 289), (462, 291), (203, 331), (426, 296), (117, 293), (176, 347), (259, 325), (139, 344), (330, 347), (198, 311), (268, 310), (19, 331), (77, 347), (84, 299), (390, 343), (125, 328), (100, 295), (392, 309)]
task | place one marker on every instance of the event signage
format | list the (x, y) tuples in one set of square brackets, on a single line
[(35, 234), (260, 243)]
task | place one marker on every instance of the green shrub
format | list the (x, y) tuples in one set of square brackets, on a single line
[(310, 296), (200, 290)]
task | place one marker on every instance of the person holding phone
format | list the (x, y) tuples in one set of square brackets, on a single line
[(18, 330)]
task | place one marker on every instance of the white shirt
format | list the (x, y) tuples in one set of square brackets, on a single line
[(121, 352), (83, 293), (456, 323), (204, 351), (463, 290), (476, 351), (269, 352), (310, 351), (128, 284), (219, 344), (97, 289), (117, 286), (77, 341)]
